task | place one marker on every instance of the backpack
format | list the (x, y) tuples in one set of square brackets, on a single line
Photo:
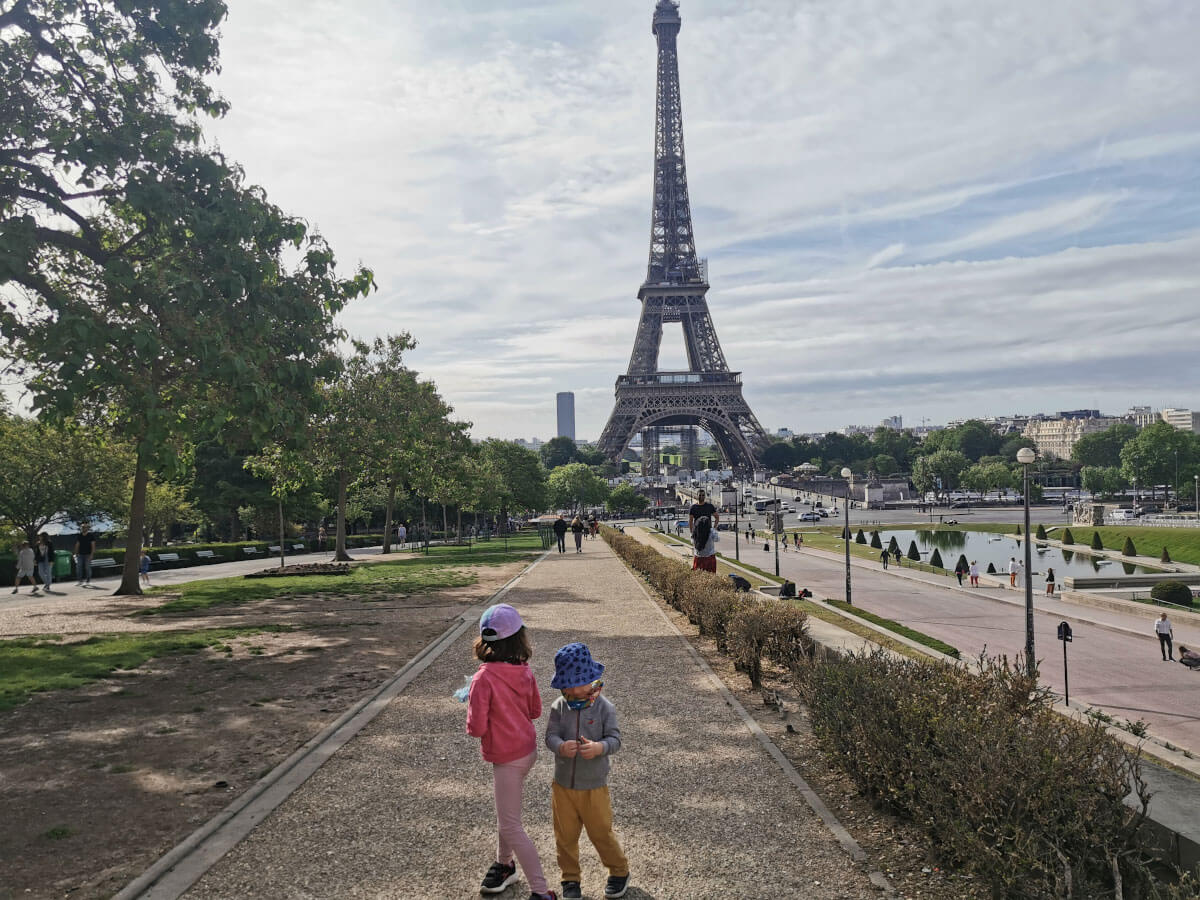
[(701, 534)]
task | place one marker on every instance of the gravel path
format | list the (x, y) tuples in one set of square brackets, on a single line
[(404, 809)]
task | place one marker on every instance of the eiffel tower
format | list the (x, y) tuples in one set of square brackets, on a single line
[(707, 395)]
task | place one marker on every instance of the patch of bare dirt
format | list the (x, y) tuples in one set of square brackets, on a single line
[(98, 782)]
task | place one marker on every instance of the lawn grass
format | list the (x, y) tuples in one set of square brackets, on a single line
[(404, 573), (828, 538), (890, 625), (1183, 544), (32, 664)]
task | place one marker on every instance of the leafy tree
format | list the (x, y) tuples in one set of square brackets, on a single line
[(987, 476), (1102, 480), (975, 439), (779, 456), (575, 486), (1150, 456), (884, 465), (946, 467), (157, 295), (1103, 449), (558, 451), (1011, 444), (288, 471), (522, 474), (167, 505), (625, 500), (59, 474)]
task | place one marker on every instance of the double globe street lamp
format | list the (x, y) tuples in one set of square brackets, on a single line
[(1025, 456)]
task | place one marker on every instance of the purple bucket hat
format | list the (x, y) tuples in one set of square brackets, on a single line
[(499, 622), (574, 666)]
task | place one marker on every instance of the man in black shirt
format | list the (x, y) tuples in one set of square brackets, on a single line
[(85, 545), (702, 508), (560, 532)]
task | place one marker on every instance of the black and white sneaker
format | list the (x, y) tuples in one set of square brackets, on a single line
[(571, 891), (616, 886), (498, 877)]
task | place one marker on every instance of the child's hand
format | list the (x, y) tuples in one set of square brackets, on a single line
[(568, 749), (590, 749)]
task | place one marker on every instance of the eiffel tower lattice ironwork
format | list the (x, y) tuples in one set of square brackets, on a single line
[(708, 395)]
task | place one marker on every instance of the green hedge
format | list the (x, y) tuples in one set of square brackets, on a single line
[(1173, 592), (1026, 801)]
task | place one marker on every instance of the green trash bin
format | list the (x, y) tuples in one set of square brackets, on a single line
[(62, 564), (8, 567)]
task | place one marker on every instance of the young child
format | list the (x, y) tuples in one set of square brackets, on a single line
[(583, 733), (502, 705), (144, 567)]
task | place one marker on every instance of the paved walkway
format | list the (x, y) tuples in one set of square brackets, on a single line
[(404, 809)]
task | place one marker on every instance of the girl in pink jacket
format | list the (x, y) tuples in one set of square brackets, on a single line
[(502, 706)]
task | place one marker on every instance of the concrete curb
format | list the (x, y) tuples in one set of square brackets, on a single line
[(183, 865)]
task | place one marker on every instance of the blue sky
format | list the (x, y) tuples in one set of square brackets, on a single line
[(932, 209)]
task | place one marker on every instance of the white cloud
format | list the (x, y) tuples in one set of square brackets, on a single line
[(491, 161)]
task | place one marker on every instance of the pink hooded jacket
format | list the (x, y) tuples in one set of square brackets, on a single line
[(501, 709)]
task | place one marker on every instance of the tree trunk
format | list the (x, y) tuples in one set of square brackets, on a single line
[(282, 551), (424, 527), (130, 580), (340, 553), (458, 527), (445, 525), (387, 519)]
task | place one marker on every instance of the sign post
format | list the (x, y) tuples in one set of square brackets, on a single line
[(1064, 635)]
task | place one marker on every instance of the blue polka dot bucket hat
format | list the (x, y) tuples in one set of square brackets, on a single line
[(574, 666)]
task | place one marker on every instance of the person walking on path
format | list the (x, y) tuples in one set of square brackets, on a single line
[(960, 570), (896, 554), (704, 545), (144, 567), (43, 555), (883, 558), (322, 536), (401, 535), (1162, 627), (593, 528), (560, 532), (582, 733), (577, 530), (1049, 582), (503, 702), (25, 568), (1013, 568), (85, 546), (973, 571)]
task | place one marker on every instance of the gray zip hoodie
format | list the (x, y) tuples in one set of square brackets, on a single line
[(596, 723)]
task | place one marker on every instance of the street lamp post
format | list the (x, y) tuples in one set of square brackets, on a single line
[(737, 531), (775, 526), (848, 475), (1025, 456)]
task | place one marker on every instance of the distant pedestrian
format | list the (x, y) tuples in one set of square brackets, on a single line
[(43, 555), (896, 554), (560, 532), (1049, 581), (401, 535), (322, 537), (799, 540), (593, 528), (785, 540), (144, 567), (1013, 569), (1189, 658), (959, 571), (1162, 627), (85, 546), (25, 567), (883, 558), (577, 530), (704, 545), (502, 704), (973, 571)]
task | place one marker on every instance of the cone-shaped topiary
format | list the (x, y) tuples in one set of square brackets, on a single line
[(860, 538), (1067, 537), (893, 545), (913, 553), (935, 559), (1041, 532), (962, 563), (1018, 529), (875, 541), (991, 569), (1097, 544), (1129, 549), (1166, 557)]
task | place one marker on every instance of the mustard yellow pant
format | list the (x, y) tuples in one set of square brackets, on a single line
[(576, 810)]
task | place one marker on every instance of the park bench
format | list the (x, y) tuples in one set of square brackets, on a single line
[(250, 551), (103, 564), (169, 560), (208, 556), (299, 548)]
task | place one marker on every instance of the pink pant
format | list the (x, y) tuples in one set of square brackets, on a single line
[(510, 783)]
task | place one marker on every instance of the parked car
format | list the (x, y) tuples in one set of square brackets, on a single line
[(724, 526), (748, 492), (1122, 514), (961, 504), (809, 516), (1146, 510), (823, 513)]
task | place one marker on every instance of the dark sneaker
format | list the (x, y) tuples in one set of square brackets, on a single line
[(571, 891), (549, 895), (616, 885), (498, 877)]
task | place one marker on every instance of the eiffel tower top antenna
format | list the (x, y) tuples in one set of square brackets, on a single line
[(672, 243)]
